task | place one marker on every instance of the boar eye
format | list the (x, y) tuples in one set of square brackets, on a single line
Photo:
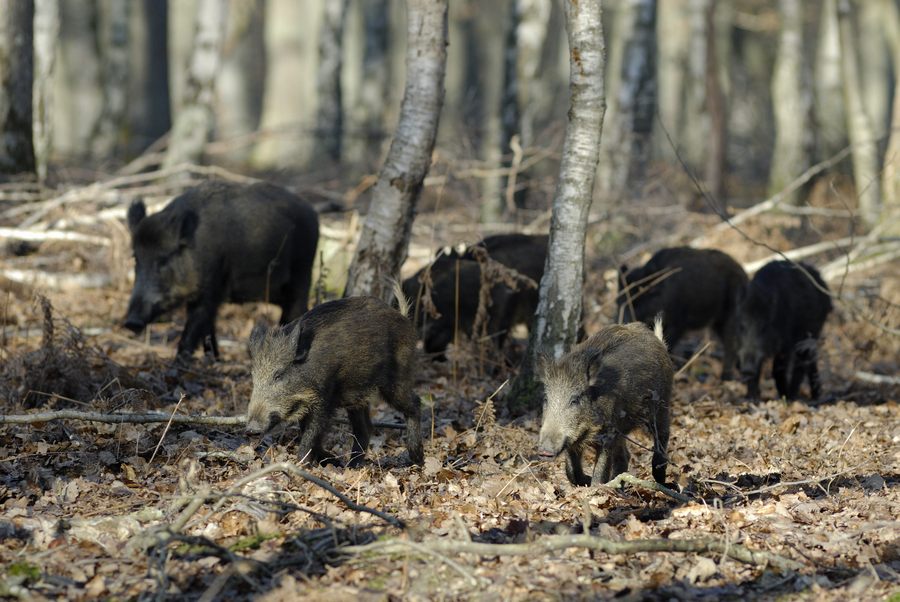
[(576, 400), (280, 374)]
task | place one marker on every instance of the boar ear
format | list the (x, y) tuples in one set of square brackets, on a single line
[(137, 211), (187, 227), (256, 338), (593, 364)]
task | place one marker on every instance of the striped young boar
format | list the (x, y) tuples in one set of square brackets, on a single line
[(340, 354), (605, 387)]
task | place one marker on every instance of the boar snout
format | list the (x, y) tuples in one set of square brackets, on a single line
[(550, 447), (134, 323)]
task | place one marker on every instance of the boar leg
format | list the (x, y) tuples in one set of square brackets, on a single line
[(361, 424), (780, 370), (603, 465), (199, 325), (752, 382), (812, 373), (619, 458), (408, 403), (314, 426), (726, 330), (574, 471), (805, 366), (296, 302), (660, 446)]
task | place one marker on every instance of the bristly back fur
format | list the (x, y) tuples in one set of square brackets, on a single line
[(658, 329)]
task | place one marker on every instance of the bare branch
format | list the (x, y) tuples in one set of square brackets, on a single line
[(553, 543)]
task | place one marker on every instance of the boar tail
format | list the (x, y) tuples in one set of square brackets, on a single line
[(658, 328), (402, 301)]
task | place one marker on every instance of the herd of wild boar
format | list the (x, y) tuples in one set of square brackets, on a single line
[(223, 242)]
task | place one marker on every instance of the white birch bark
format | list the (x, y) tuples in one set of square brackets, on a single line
[(631, 110), (791, 102), (695, 123), (384, 239), (16, 77), (874, 63), (890, 181), (859, 126), (46, 33), (194, 121), (559, 309)]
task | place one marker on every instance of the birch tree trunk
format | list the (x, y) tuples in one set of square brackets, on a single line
[(558, 315), (366, 79), (874, 63), (195, 120), (16, 77), (831, 120), (533, 19), (715, 107), (289, 110), (859, 126), (890, 181), (628, 123), (792, 103), (114, 48), (242, 76), (77, 93), (329, 121), (384, 240), (673, 36), (46, 33)]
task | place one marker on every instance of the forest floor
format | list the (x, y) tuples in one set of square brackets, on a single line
[(124, 511)]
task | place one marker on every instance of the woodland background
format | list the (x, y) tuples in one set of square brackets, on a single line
[(780, 115)]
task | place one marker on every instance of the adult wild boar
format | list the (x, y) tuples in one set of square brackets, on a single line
[(221, 242)]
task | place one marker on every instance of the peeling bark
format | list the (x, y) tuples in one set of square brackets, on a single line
[(384, 239)]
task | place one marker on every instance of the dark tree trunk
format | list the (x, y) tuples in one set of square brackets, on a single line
[(16, 77)]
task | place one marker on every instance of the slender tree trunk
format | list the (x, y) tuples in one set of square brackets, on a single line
[(367, 80), (628, 123), (792, 103), (114, 48), (859, 126), (289, 109), (384, 240), (533, 19), (195, 119), (831, 120), (558, 316), (16, 77), (491, 38), (180, 28), (874, 63), (242, 75), (328, 83), (77, 93), (891, 173), (695, 123), (46, 33), (148, 112), (718, 118), (673, 37)]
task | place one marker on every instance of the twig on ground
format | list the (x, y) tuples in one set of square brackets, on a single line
[(693, 358), (552, 543), (653, 485), (878, 379), (145, 418), (291, 469), (165, 430)]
